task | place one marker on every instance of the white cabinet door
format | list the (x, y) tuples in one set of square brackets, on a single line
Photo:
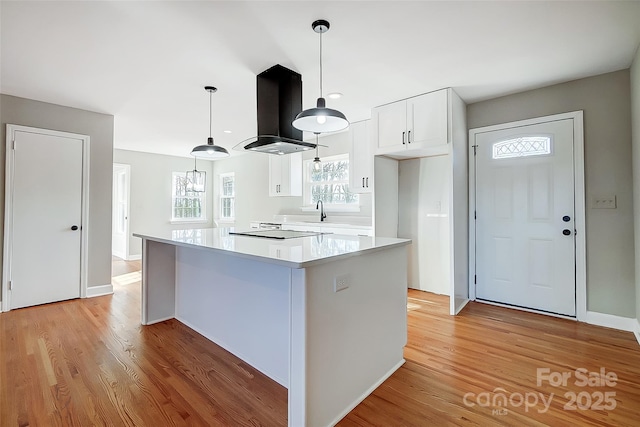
[(415, 127), (427, 120), (275, 175), (361, 158), (285, 175), (391, 125)]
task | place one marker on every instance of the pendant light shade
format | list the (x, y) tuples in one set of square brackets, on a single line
[(320, 119), (210, 150)]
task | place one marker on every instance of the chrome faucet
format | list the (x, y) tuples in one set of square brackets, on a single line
[(322, 214)]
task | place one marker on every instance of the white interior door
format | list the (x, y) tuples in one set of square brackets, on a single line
[(45, 187), (120, 215), (525, 219)]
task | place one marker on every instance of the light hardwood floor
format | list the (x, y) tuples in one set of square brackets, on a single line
[(90, 362)]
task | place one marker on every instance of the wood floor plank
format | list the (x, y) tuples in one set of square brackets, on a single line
[(90, 362)]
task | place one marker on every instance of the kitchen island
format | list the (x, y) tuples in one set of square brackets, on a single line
[(323, 315)]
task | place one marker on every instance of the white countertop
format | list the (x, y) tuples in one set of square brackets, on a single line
[(295, 253)]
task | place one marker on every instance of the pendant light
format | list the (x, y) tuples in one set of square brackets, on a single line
[(196, 179), (209, 150), (317, 164), (320, 119)]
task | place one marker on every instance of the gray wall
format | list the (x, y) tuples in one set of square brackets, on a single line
[(252, 185), (635, 131), (605, 100), (99, 127), (150, 192)]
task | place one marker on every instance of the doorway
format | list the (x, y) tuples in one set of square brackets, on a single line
[(46, 216), (527, 215), (120, 214)]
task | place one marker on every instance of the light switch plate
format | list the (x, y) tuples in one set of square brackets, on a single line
[(604, 202), (340, 282)]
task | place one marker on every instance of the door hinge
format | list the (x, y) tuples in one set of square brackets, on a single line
[(13, 144), (475, 214), (10, 285), (474, 149), (475, 279)]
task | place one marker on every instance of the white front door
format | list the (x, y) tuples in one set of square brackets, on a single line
[(120, 214), (525, 219), (45, 185)]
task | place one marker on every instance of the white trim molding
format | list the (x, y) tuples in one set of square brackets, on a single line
[(134, 257), (628, 324), (100, 290), (637, 331)]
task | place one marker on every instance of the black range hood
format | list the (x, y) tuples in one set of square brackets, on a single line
[(279, 95)]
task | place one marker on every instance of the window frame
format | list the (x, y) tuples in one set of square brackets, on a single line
[(307, 184), (221, 196), (202, 196)]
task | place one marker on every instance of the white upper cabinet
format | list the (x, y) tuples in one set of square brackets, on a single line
[(413, 127), (361, 158), (285, 175)]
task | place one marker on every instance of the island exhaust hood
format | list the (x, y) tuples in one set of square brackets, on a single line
[(279, 95)]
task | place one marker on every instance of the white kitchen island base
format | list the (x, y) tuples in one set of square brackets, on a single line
[(278, 308)]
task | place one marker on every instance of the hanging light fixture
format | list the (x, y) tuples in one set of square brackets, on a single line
[(196, 179), (209, 150), (317, 164), (320, 119)]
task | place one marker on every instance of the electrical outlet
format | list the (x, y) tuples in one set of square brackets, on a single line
[(340, 282), (603, 202)]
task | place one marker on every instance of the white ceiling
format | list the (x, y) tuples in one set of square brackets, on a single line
[(147, 62)]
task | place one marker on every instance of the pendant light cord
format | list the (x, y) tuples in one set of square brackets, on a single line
[(321, 95), (210, 125)]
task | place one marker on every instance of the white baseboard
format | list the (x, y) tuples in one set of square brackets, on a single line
[(610, 321), (637, 331), (134, 257), (97, 291)]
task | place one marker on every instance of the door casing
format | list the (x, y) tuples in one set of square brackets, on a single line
[(124, 254), (8, 207), (579, 194)]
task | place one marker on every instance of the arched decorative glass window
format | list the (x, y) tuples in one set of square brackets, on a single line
[(522, 146)]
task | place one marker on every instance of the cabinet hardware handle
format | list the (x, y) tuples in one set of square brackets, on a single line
[(367, 182), (362, 182), (409, 137), (403, 138)]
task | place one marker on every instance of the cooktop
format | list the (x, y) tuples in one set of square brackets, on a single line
[(276, 234)]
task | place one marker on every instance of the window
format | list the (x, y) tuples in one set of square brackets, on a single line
[(330, 184), (227, 196), (522, 146), (187, 206)]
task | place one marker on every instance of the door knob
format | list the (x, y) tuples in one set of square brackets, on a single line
[(566, 218), (566, 232), (74, 227)]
